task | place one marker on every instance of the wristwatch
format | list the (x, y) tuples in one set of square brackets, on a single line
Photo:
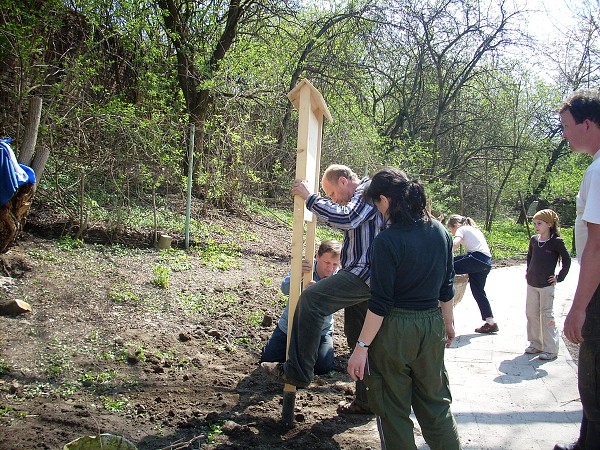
[(362, 344)]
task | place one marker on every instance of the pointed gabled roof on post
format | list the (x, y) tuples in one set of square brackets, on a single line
[(317, 100)]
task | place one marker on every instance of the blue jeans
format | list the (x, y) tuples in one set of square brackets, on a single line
[(478, 266), (316, 302), (274, 351)]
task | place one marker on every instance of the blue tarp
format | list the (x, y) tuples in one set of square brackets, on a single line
[(12, 174)]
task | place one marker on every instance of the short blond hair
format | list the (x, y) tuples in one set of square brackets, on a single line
[(335, 171)]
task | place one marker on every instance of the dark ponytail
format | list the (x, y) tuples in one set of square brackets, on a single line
[(408, 202)]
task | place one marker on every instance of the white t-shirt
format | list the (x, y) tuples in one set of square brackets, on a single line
[(473, 240), (587, 204)]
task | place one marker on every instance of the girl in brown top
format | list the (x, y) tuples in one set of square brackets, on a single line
[(544, 250)]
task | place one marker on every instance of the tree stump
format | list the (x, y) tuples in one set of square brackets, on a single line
[(13, 215)]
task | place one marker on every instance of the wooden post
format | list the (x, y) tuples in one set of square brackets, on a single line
[(311, 108), (188, 209)]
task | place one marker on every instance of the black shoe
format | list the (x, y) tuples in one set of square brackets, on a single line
[(573, 446)]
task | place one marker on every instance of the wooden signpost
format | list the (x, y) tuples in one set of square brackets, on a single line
[(311, 108)]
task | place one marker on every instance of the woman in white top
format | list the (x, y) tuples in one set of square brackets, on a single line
[(477, 263)]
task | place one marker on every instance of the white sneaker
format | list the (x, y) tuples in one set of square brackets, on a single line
[(548, 356)]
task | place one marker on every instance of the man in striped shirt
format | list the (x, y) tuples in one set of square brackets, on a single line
[(345, 210)]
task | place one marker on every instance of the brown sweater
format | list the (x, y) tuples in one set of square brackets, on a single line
[(542, 258)]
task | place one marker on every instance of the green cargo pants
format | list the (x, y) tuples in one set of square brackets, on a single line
[(406, 368)]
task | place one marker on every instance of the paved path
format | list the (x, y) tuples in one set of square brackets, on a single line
[(503, 398)]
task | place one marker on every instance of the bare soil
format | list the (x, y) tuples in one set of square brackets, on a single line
[(106, 349)]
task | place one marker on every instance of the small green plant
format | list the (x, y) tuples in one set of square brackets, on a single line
[(213, 431), (4, 367), (37, 390), (266, 281), (161, 276), (4, 411), (122, 296), (68, 243), (255, 318), (87, 379), (67, 389), (114, 405)]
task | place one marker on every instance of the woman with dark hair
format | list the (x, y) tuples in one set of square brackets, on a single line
[(400, 352)]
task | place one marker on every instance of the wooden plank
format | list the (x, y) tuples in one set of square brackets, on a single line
[(311, 109)]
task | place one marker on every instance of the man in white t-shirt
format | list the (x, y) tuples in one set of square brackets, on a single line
[(580, 118)]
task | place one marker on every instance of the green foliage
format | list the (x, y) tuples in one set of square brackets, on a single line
[(214, 430), (57, 360), (4, 367), (91, 378), (114, 405), (122, 296), (161, 276), (68, 243), (507, 240), (219, 255), (255, 318), (121, 125)]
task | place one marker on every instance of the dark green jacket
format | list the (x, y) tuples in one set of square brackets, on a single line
[(411, 267)]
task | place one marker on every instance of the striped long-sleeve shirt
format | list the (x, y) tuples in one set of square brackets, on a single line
[(358, 220)]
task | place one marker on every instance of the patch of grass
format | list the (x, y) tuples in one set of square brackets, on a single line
[(176, 260), (266, 281), (37, 390), (161, 276), (90, 378), (255, 318), (67, 243), (43, 255), (219, 256), (248, 236), (4, 411), (117, 295), (58, 359), (192, 301), (67, 389)]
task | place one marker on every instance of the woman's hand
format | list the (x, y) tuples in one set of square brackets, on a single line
[(357, 363)]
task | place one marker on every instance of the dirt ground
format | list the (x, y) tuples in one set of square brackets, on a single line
[(108, 349), (159, 347)]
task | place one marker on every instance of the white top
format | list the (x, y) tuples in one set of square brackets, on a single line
[(473, 239), (587, 204)]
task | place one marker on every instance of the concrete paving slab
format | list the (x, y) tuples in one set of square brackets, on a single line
[(502, 397)]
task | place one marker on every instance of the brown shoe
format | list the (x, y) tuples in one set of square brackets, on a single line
[(352, 408), (487, 328)]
